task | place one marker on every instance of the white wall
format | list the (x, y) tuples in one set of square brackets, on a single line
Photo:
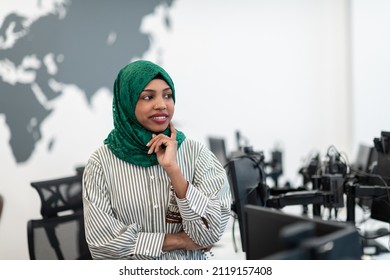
[(371, 64), (277, 70)]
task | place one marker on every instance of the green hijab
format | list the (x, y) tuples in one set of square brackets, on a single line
[(128, 139)]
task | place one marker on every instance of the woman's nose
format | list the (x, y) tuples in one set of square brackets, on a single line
[(160, 104)]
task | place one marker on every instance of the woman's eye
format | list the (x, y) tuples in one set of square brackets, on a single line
[(168, 96), (147, 97)]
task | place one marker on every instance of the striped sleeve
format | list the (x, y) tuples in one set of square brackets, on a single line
[(206, 208)]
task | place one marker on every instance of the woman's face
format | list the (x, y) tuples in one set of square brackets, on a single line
[(155, 107)]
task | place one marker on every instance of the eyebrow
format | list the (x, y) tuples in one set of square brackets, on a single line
[(152, 90)]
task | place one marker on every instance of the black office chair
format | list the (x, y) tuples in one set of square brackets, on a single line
[(60, 195), (58, 238), (60, 233), (80, 170)]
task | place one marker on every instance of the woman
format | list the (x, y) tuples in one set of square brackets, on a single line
[(149, 192)]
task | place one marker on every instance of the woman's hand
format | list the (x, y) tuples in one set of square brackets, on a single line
[(181, 241), (165, 148)]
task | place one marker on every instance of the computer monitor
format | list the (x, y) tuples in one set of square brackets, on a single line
[(380, 208), (363, 158), (277, 235), (218, 147), (246, 179), (362, 167)]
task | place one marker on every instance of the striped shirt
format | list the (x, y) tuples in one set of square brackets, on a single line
[(125, 205)]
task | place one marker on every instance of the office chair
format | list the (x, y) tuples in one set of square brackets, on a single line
[(80, 170), (60, 195), (60, 232), (58, 238)]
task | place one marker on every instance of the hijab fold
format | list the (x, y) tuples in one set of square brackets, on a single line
[(128, 139)]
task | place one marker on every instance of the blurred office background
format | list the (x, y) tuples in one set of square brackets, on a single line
[(299, 75)]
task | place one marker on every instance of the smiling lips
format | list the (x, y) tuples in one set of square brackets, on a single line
[(160, 118)]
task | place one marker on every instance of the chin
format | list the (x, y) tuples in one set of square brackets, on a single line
[(158, 130)]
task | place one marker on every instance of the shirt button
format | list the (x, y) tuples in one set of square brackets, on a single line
[(155, 206), (152, 177)]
